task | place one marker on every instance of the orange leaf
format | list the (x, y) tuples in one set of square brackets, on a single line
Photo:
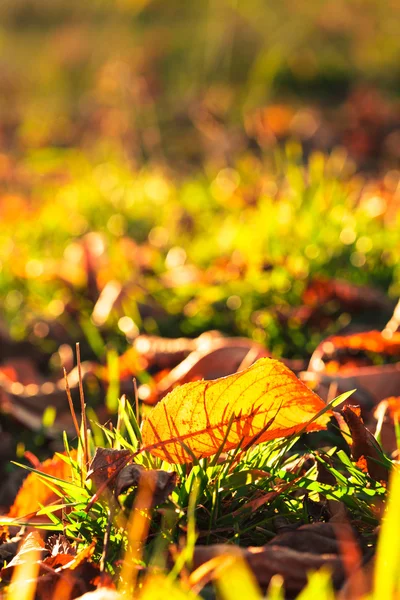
[(264, 402), (369, 341), (393, 404), (34, 493)]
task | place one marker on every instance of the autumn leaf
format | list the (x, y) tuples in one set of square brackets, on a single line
[(368, 341), (393, 405), (264, 402), (106, 465), (269, 560), (110, 469), (34, 493), (31, 548), (159, 482), (365, 450), (351, 297), (215, 357)]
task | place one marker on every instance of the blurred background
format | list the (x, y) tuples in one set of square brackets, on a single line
[(182, 83), (174, 167)]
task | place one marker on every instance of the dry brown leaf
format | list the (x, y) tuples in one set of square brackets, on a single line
[(262, 500), (110, 470), (364, 445), (160, 483), (264, 402), (267, 561), (32, 545), (316, 538), (106, 465), (351, 297)]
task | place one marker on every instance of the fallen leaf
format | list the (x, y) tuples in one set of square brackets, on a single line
[(32, 545), (264, 402), (360, 582), (8, 550), (338, 512), (61, 551), (352, 297), (364, 444), (270, 560), (64, 575), (163, 352), (214, 356), (334, 366), (82, 558), (58, 561), (367, 341), (161, 483), (393, 405), (315, 538), (106, 465), (34, 493)]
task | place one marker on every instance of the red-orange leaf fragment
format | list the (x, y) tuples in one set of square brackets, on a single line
[(369, 341), (34, 493), (264, 402), (393, 404)]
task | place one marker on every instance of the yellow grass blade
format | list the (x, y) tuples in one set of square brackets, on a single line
[(387, 572)]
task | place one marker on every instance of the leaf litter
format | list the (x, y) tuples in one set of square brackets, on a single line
[(211, 462), (264, 402)]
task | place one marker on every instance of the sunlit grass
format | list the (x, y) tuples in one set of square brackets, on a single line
[(213, 502)]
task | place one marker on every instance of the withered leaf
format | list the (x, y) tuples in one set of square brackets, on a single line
[(315, 538), (351, 297), (58, 561), (31, 548), (316, 511), (61, 551), (70, 577), (266, 561), (8, 550), (160, 483), (364, 444), (264, 402), (164, 352), (106, 465)]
